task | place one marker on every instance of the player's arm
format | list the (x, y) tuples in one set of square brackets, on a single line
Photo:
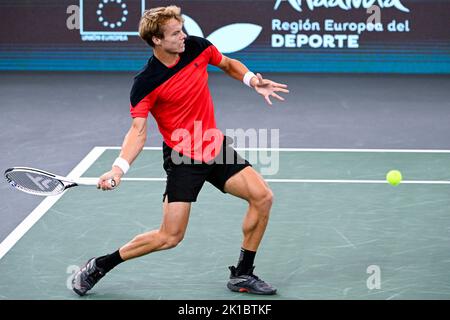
[(131, 147), (265, 87)]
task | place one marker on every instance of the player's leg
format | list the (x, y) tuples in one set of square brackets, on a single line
[(170, 233), (233, 174), (184, 182), (250, 186)]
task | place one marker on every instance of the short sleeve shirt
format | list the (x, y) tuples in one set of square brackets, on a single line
[(179, 99)]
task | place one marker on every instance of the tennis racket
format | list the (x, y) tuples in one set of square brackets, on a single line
[(42, 183)]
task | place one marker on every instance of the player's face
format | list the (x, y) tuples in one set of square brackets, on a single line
[(173, 41)]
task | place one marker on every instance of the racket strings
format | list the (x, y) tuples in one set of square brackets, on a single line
[(35, 183)]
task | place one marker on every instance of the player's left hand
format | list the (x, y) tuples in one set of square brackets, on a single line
[(268, 88)]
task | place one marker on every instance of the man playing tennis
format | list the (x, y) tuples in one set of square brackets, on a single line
[(173, 88)]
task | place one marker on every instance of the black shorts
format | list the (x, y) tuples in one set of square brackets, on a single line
[(186, 179)]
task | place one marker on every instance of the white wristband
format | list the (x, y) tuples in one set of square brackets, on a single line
[(122, 164), (248, 77)]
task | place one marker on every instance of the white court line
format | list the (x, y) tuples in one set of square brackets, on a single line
[(92, 179), (47, 203), (438, 182), (318, 150), (356, 181)]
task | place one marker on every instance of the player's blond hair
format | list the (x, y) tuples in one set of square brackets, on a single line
[(153, 20)]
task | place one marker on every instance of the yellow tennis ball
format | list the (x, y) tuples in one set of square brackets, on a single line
[(394, 177)]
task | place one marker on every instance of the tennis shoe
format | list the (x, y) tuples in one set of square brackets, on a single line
[(87, 277), (248, 283)]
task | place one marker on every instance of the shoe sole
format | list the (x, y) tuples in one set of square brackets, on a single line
[(247, 290), (78, 292)]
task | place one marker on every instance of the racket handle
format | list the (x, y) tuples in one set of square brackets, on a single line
[(111, 182)]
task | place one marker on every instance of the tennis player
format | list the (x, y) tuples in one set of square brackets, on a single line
[(173, 87)]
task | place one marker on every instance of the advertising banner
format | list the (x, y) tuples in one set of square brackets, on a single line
[(362, 36)]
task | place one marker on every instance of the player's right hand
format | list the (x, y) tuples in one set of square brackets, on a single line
[(105, 181)]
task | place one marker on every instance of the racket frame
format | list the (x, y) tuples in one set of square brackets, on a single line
[(66, 182)]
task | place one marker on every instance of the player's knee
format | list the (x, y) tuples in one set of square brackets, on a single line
[(264, 200), (173, 240)]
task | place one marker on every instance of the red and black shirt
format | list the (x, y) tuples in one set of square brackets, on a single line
[(178, 97)]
